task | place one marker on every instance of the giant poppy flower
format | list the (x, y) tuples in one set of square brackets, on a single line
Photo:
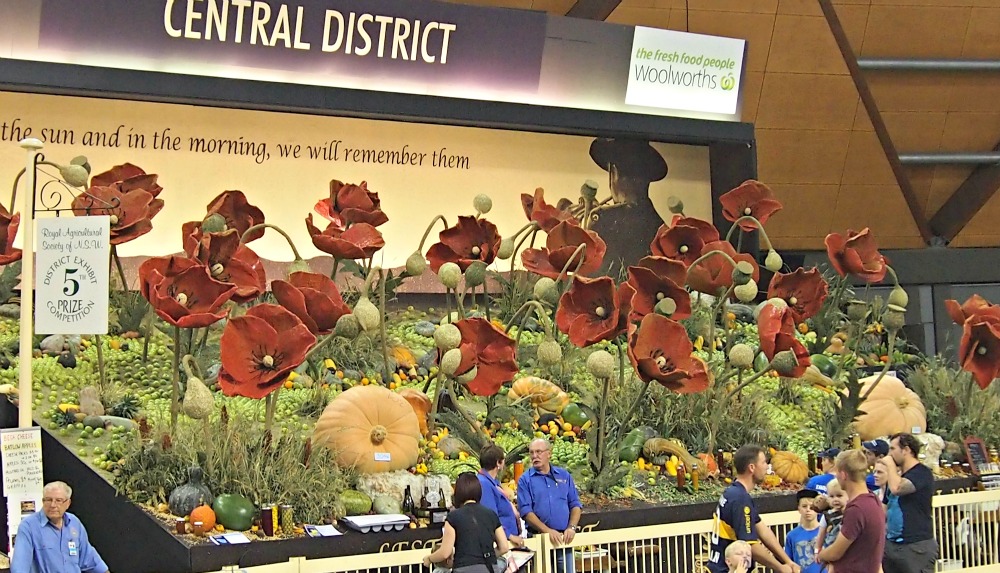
[(857, 255), (360, 241), (349, 203), (655, 279), (313, 298), (494, 355), (803, 290), (592, 310), (715, 273), (751, 198), (259, 349), (683, 241), (660, 351), (979, 351), (181, 291), (547, 216), (776, 327), (131, 212), (238, 213), (470, 240), (560, 245), (974, 305), (8, 230), (127, 177), (229, 261)]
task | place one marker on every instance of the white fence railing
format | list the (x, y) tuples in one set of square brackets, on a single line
[(966, 525)]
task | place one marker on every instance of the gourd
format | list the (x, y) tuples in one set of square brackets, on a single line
[(633, 441), (657, 447), (386, 505), (543, 395), (789, 467), (453, 447), (233, 511), (206, 515), (371, 429), (355, 502), (889, 409), (421, 405), (198, 401), (708, 460), (184, 498), (574, 415)]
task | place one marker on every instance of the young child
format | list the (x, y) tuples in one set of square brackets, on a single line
[(829, 526), (800, 544), (739, 557)]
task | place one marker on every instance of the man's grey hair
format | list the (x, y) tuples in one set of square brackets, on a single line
[(60, 484)]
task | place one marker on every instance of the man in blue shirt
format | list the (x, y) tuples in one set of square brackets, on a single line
[(53, 540), (549, 503), (491, 459), (826, 460), (874, 451)]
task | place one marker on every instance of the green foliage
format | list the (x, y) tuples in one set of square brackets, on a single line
[(238, 456), (515, 290), (9, 280), (956, 406), (128, 310), (127, 406)]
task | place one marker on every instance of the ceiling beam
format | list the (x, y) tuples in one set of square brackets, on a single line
[(593, 9), (967, 200)]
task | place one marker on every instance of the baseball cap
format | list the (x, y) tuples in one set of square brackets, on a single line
[(877, 447), (831, 453), (806, 494)]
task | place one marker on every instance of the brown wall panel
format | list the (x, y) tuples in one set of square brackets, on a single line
[(756, 29), (971, 131), (800, 156), (879, 207), (866, 163), (915, 131), (911, 92), (819, 201), (807, 101), (752, 85), (804, 44), (915, 31)]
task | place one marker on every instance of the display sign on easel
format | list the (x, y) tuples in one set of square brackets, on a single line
[(71, 275), (21, 458)]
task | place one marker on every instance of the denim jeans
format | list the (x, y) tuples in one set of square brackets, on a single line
[(563, 560)]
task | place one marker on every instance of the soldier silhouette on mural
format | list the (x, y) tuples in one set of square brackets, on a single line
[(630, 222)]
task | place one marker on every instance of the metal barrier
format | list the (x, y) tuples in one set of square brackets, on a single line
[(966, 525)]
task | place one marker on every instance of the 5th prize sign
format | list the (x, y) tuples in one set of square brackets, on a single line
[(71, 275)]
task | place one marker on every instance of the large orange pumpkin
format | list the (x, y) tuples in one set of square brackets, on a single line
[(370, 428), (205, 515), (891, 408), (541, 393), (789, 467)]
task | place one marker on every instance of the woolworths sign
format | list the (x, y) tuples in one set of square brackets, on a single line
[(677, 70)]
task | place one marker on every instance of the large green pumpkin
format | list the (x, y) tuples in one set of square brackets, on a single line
[(233, 511)]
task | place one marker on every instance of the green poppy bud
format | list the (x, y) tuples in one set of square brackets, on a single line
[(747, 292), (368, 314), (773, 261), (857, 310), (451, 361), (589, 190), (894, 317), (506, 249), (475, 275), (675, 205), (416, 264), (214, 223), (447, 337), (298, 266), (348, 327), (601, 364), (549, 353), (482, 203), (545, 291), (899, 297), (468, 376), (742, 273), (741, 355), (450, 274), (785, 362)]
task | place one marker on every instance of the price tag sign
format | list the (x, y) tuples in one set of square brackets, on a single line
[(21, 451), (71, 275)]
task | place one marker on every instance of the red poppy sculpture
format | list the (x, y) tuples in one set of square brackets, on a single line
[(979, 351), (593, 310), (856, 254), (131, 212), (493, 352), (560, 249), (228, 261), (260, 349), (715, 273), (360, 241), (974, 305), (655, 279), (8, 230), (803, 290), (776, 327), (751, 198), (538, 211), (313, 298), (349, 203), (128, 177), (470, 240), (182, 292), (683, 241), (660, 351), (238, 213)]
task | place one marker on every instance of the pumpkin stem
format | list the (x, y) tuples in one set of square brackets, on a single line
[(378, 434)]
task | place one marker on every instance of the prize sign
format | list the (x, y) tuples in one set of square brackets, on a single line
[(71, 275)]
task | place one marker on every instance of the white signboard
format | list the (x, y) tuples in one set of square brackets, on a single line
[(21, 452), (678, 70), (71, 275)]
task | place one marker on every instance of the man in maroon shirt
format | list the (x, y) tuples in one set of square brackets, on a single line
[(861, 541)]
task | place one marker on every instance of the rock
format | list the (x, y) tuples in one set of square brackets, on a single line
[(53, 344), (212, 372), (90, 402), (10, 310), (93, 422), (531, 324), (427, 360), (424, 328), (353, 375)]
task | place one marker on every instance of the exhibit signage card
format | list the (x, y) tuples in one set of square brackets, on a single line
[(424, 47), (71, 275), (21, 451)]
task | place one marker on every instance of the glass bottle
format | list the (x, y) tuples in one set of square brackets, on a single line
[(694, 476), (681, 478), (408, 505), (441, 502)]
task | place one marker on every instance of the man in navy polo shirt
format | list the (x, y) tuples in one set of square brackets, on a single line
[(491, 459), (549, 504)]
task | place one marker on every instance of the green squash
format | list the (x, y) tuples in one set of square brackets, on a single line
[(386, 505), (574, 415), (233, 511), (355, 502), (826, 366), (633, 441)]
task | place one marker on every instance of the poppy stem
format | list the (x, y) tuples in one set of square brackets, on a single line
[(270, 405), (459, 303), (175, 393), (243, 238), (756, 223), (486, 303), (744, 383), (427, 231), (118, 265), (631, 412), (531, 304), (333, 272), (710, 254), (102, 379), (892, 272), (320, 344), (885, 368), (437, 401), (386, 375), (465, 414), (517, 247), (581, 251), (147, 333)]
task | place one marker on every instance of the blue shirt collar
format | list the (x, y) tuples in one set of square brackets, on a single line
[(553, 471), (487, 475), (43, 519)]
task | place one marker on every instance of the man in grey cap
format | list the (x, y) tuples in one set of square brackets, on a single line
[(826, 460), (874, 451)]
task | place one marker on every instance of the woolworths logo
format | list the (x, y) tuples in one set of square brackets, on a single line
[(683, 69)]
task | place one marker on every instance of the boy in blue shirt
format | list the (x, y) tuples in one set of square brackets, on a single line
[(800, 544)]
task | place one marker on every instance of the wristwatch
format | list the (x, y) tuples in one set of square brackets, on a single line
[(574, 527)]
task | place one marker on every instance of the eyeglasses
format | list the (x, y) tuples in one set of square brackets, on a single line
[(537, 452), (55, 500)]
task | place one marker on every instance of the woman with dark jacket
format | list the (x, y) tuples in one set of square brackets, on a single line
[(472, 533)]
